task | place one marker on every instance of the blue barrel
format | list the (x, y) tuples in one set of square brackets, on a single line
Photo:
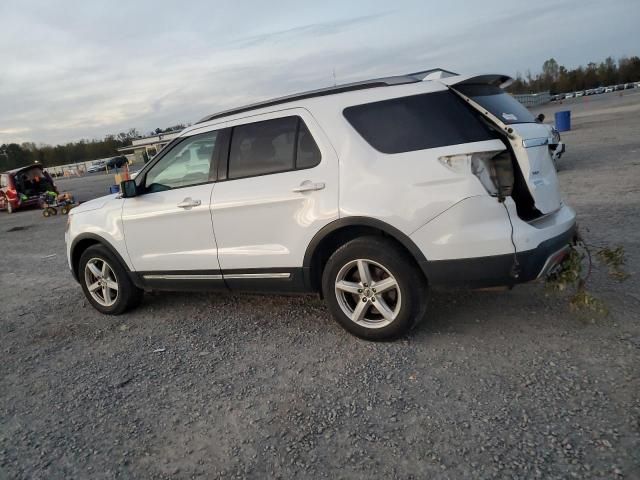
[(563, 121), (114, 188)]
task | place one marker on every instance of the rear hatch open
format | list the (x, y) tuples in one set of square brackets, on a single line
[(31, 183), (528, 140)]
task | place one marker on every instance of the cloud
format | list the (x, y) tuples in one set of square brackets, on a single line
[(103, 69)]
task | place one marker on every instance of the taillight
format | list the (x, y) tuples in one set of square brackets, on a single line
[(493, 169)]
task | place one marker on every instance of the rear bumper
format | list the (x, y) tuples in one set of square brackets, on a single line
[(16, 203), (500, 270)]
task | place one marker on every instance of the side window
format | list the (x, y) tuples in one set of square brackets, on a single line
[(417, 122), (308, 152), (263, 147), (271, 146), (187, 163)]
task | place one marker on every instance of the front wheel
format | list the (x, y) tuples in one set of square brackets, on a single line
[(374, 289), (105, 282)]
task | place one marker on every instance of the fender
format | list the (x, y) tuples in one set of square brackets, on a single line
[(105, 243), (356, 221)]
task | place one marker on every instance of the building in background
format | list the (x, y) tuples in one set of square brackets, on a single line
[(145, 148)]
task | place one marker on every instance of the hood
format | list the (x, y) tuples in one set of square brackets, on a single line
[(95, 204)]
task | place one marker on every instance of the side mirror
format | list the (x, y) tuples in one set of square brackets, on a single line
[(128, 188), (540, 118)]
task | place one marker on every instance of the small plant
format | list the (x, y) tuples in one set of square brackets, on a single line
[(570, 274), (614, 258)]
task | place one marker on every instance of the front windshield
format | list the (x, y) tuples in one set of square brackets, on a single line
[(498, 102)]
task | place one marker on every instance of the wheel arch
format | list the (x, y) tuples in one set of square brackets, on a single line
[(338, 232), (86, 240)]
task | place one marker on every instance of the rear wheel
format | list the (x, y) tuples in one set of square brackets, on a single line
[(374, 289), (105, 282)]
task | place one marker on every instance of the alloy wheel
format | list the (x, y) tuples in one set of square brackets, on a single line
[(368, 293), (101, 282)]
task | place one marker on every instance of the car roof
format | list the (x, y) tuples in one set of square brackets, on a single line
[(348, 87)]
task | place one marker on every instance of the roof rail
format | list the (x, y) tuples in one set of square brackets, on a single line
[(321, 92), (434, 73)]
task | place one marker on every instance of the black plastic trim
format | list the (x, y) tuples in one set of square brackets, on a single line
[(495, 270), (356, 221), (292, 284), (185, 284), (105, 243)]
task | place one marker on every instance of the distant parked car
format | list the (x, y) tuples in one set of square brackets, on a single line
[(579, 93), (600, 90), (97, 166), (569, 95), (117, 162), (620, 87), (609, 89), (23, 187), (628, 86)]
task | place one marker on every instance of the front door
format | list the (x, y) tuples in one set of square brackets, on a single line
[(167, 226), (281, 188)]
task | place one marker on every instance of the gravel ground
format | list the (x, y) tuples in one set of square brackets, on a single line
[(493, 385)]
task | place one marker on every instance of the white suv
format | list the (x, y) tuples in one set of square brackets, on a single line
[(368, 194)]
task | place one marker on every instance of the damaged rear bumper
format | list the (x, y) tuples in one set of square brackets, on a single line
[(501, 270)]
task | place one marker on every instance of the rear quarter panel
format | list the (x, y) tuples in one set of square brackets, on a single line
[(405, 190)]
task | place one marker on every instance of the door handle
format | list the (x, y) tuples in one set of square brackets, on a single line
[(308, 186), (189, 203)]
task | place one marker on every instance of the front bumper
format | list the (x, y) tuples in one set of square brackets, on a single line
[(500, 270)]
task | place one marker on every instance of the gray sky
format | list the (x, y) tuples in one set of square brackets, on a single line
[(83, 69)]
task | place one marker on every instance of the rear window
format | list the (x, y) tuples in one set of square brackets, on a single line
[(417, 122), (498, 102)]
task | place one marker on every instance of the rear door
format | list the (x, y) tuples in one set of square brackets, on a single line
[(278, 188), (529, 139)]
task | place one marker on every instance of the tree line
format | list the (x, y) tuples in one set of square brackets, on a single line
[(558, 79), (16, 155)]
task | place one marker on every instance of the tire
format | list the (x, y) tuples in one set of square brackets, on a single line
[(127, 295), (356, 306), (64, 210), (46, 212)]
